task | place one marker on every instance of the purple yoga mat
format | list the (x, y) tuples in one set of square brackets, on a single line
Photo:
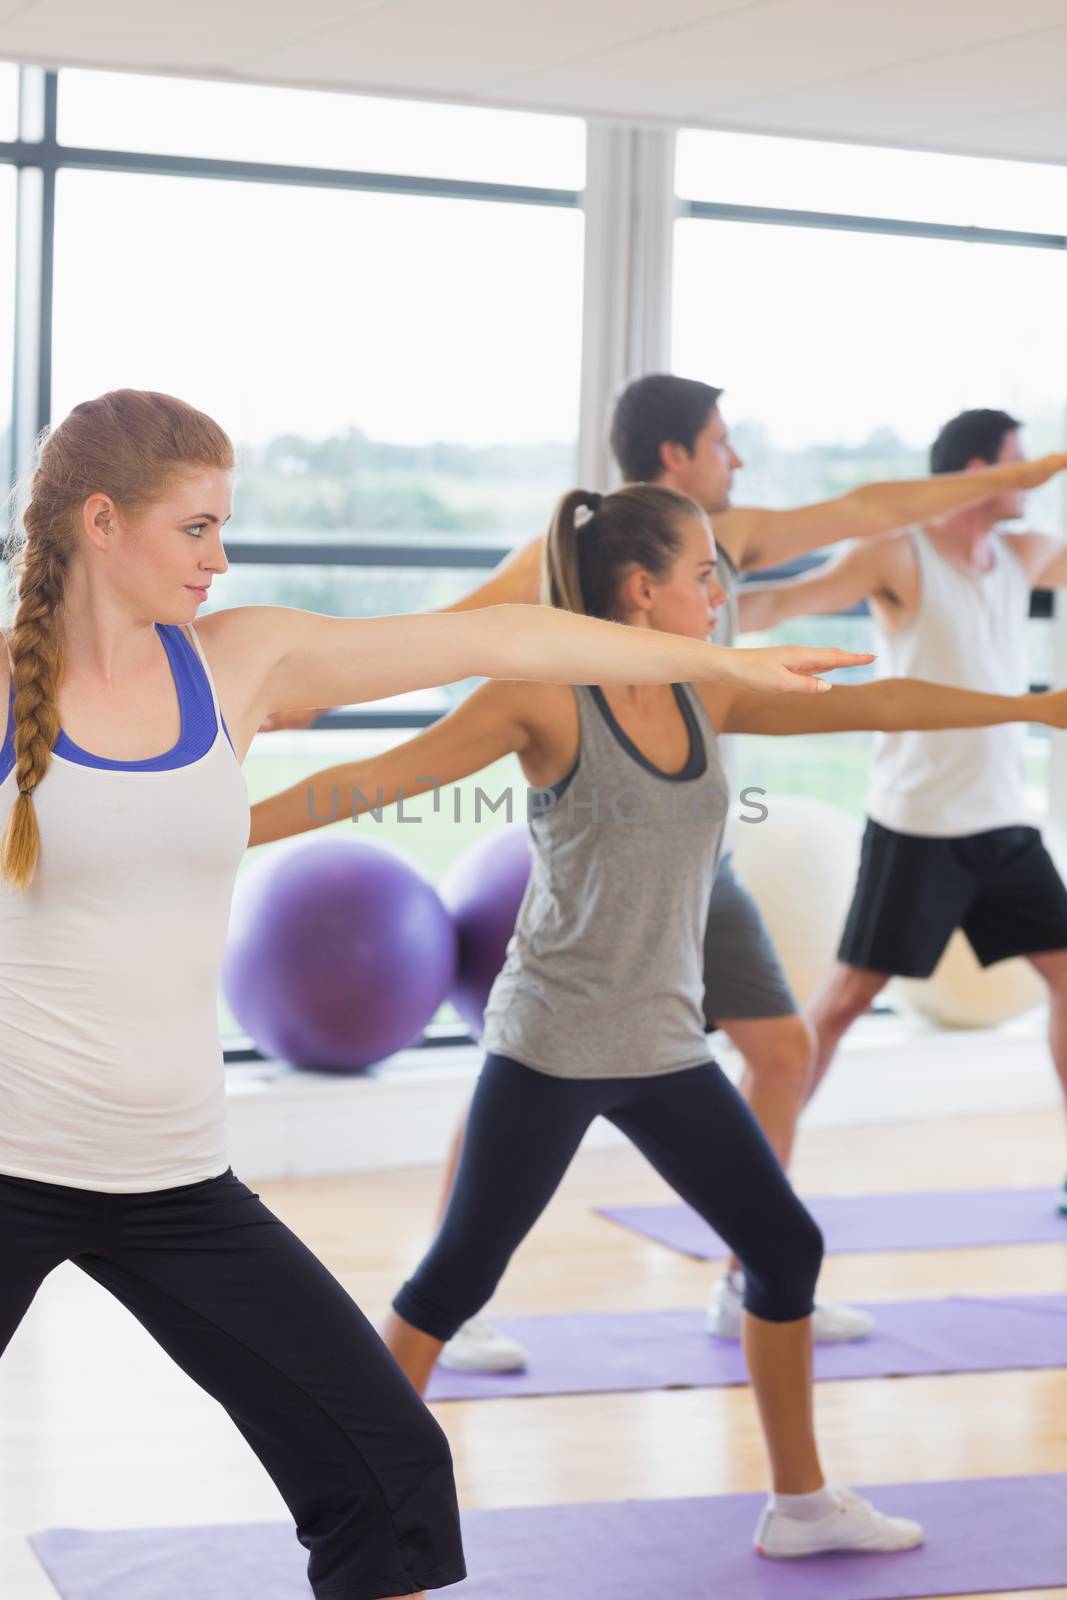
[(982, 1535), (945, 1220), (604, 1352)]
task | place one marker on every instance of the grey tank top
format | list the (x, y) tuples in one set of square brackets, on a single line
[(604, 976)]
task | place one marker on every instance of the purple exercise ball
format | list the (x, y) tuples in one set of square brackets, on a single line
[(484, 891), (339, 953)]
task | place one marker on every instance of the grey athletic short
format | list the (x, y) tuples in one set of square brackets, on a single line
[(743, 976)]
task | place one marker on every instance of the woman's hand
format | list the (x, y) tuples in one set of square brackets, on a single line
[(792, 667)]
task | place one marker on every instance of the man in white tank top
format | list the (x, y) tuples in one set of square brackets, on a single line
[(949, 841)]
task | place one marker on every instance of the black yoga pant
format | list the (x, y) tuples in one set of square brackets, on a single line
[(693, 1126), (251, 1315)]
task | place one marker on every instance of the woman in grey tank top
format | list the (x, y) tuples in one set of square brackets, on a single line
[(598, 1010)]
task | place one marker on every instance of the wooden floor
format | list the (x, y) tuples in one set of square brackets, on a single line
[(96, 1428)]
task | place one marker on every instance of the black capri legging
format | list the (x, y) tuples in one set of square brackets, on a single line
[(693, 1126), (251, 1315)]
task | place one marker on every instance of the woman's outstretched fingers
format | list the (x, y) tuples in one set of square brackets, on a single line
[(794, 668), (811, 658)]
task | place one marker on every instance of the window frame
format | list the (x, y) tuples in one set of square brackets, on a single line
[(38, 156)]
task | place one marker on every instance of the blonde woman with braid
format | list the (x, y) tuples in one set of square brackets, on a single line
[(124, 815), (599, 1008)]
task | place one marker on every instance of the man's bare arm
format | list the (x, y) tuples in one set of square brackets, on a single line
[(865, 572), (754, 538)]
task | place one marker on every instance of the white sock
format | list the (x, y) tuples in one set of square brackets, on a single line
[(805, 1507)]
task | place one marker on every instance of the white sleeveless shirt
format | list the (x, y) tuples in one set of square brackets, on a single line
[(110, 1062), (968, 631)]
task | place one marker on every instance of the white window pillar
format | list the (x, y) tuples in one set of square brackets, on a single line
[(630, 209)]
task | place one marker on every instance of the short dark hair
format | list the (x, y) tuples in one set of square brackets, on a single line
[(972, 436), (657, 409)]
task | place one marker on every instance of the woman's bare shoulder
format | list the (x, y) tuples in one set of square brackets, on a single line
[(232, 625), (239, 642)]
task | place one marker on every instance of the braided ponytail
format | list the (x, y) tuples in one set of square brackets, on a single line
[(36, 669), (128, 445)]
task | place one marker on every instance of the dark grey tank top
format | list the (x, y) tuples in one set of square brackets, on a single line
[(604, 975)]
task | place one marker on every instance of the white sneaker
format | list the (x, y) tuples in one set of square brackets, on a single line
[(479, 1347), (830, 1323), (855, 1525)]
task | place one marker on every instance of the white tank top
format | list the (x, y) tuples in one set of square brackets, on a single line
[(969, 631), (110, 1063)]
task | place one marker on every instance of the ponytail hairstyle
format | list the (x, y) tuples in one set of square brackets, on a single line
[(585, 561), (129, 445)]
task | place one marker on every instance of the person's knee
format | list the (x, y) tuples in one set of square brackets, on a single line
[(805, 1249), (811, 1250), (455, 1279), (424, 1439), (786, 1056), (780, 1277), (430, 1444), (439, 1305), (844, 999)]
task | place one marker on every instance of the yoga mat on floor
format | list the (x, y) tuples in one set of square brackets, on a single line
[(952, 1220), (982, 1535), (604, 1352)]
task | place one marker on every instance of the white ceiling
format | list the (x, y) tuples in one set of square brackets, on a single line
[(977, 76)]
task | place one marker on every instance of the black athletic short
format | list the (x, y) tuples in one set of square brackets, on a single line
[(913, 892)]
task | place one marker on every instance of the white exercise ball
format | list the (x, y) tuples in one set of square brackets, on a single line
[(962, 994), (800, 864)]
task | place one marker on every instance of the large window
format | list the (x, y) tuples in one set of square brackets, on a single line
[(388, 364), (7, 311), (381, 302), (844, 345), (843, 353)]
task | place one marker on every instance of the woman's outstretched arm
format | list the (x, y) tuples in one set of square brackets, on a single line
[(891, 705), (517, 579), (293, 658), (490, 723)]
